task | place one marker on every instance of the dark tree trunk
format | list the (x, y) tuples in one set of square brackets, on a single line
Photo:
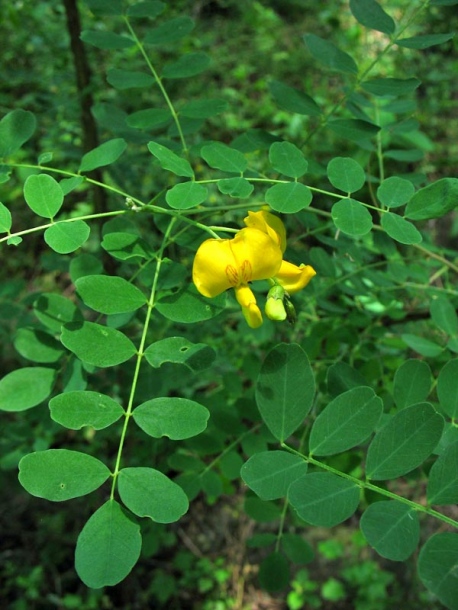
[(83, 83)]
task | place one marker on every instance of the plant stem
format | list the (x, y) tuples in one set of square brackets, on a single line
[(140, 354)]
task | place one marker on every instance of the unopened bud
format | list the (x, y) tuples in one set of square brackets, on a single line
[(290, 311), (275, 310)]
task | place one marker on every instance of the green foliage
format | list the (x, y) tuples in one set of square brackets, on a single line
[(161, 398)]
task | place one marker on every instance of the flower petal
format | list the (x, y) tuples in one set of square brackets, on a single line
[(250, 310), (258, 256), (294, 278), (268, 223), (215, 268)]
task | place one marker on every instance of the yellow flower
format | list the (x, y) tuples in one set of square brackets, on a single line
[(220, 264), (291, 277), (294, 278), (268, 223), (255, 253)]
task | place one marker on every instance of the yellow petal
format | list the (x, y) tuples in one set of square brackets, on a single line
[(250, 310), (215, 268), (268, 223), (294, 278), (258, 256)]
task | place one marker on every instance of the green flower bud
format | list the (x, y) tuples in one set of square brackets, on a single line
[(290, 311), (275, 310)]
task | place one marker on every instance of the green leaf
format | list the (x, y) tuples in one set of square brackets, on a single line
[(149, 118), (400, 229), (148, 8), (443, 478), (125, 246), (196, 356), (411, 155), (412, 383), (223, 157), (260, 511), (285, 389), (37, 345), (330, 55), (370, 14), (404, 442), (443, 2), (61, 474), (105, 7), (289, 198), (203, 109), (342, 377), (347, 421), (446, 388), (254, 139), (170, 31), (235, 187), (149, 493), (188, 306), (108, 546), (423, 346), (129, 79), (14, 241), (394, 192), (391, 528), (5, 219), (437, 567), (270, 473), (106, 40), (53, 310), (189, 64), (43, 195), (186, 195), (170, 161), (45, 158), (351, 217), (16, 128), (346, 174), (109, 294), (293, 100), (434, 200), (392, 87), (69, 184), (287, 159), (5, 173), (26, 388), (96, 344), (176, 418), (424, 41), (260, 541), (324, 499), (79, 408), (65, 237), (355, 130), (296, 548), (444, 316), (105, 154), (274, 572)]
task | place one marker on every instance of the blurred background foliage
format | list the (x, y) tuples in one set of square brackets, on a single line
[(205, 561)]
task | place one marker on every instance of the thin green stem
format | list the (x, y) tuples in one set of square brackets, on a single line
[(365, 72), (158, 80), (438, 257), (370, 486), (282, 525), (226, 450), (140, 354), (65, 220)]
